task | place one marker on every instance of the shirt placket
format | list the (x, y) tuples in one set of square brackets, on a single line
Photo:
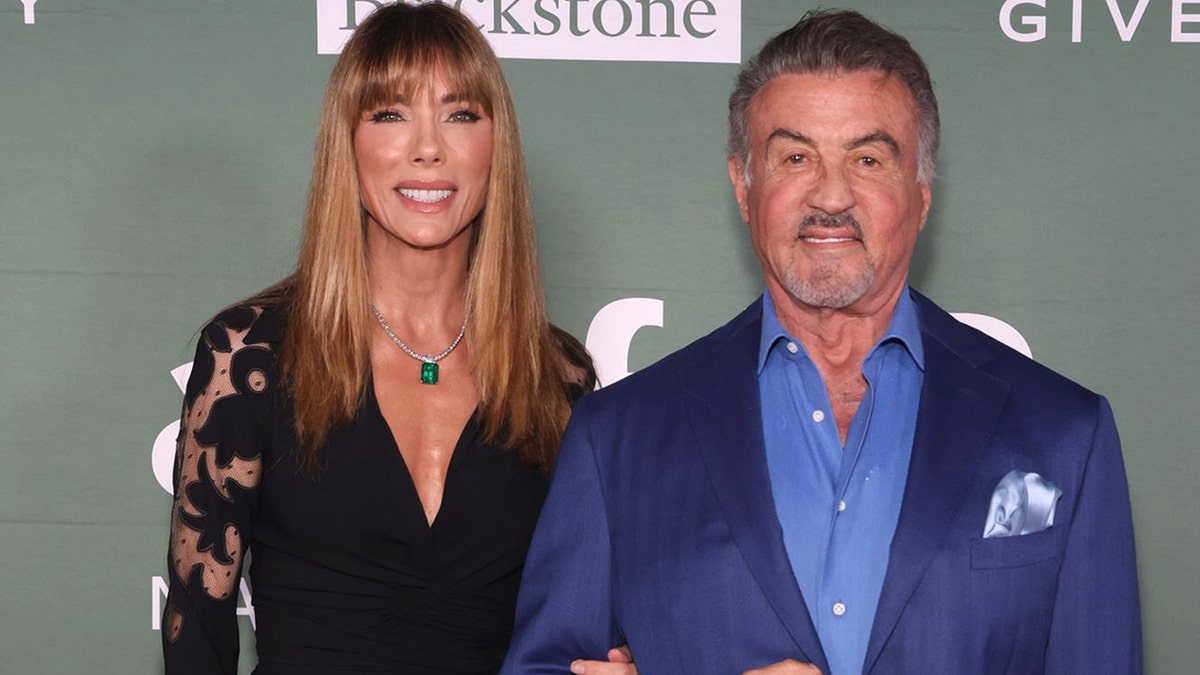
[(835, 581)]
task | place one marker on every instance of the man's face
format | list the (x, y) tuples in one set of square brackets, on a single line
[(831, 193)]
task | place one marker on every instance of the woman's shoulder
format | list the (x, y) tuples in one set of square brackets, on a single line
[(248, 322), (257, 320), (239, 343)]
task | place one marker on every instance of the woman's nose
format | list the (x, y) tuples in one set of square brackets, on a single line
[(427, 144)]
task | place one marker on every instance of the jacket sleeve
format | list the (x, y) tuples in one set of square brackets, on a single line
[(1096, 625), (564, 611), (217, 470)]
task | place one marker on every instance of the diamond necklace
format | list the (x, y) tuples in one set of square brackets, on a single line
[(429, 364)]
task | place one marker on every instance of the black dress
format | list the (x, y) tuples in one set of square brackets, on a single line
[(347, 575)]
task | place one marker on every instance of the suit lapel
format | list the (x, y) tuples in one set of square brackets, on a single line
[(959, 407), (725, 413)]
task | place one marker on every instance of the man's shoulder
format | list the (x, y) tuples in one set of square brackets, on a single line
[(1019, 372), (666, 377)]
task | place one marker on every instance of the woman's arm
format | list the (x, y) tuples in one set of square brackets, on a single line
[(218, 467)]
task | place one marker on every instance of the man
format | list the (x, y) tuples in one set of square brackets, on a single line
[(843, 476)]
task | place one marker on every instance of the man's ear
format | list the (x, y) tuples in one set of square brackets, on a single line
[(737, 176), (926, 201)]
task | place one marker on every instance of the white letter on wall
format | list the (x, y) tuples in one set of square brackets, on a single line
[(611, 333), (158, 593), (162, 456), (1038, 23), (247, 608), (1126, 30), (1178, 18), (996, 329), (29, 5)]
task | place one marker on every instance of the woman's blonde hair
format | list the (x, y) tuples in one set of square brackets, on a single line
[(516, 358)]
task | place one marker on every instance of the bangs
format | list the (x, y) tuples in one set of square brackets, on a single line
[(406, 59)]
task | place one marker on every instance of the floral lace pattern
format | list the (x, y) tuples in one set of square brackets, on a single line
[(201, 539)]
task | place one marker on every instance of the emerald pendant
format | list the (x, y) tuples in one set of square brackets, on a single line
[(429, 373)]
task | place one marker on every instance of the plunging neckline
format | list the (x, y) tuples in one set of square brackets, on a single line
[(464, 437)]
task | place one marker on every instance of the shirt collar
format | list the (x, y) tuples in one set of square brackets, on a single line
[(903, 328)]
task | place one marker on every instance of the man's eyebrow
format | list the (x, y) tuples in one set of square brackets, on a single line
[(790, 135), (876, 137)]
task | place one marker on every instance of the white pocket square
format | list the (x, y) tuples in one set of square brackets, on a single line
[(1023, 503)]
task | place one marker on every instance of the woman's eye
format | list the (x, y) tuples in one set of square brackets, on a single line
[(464, 116), (387, 116)]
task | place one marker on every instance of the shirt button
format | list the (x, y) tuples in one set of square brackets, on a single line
[(839, 608), (841, 506), (818, 415), (792, 347)]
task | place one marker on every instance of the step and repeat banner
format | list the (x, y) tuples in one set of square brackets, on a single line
[(154, 160)]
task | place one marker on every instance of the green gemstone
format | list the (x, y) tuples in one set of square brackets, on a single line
[(429, 373)]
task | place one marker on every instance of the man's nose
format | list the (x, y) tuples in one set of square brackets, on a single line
[(832, 193)]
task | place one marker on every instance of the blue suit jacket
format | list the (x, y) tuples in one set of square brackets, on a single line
[(660, 530)]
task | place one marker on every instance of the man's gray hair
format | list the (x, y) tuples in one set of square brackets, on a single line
[(833, 42)]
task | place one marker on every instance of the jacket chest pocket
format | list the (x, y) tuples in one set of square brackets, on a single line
[(1019, 551)]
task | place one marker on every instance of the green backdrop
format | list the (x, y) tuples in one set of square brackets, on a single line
[(154, 159)]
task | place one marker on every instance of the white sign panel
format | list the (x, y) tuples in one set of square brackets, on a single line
[(700, 31)]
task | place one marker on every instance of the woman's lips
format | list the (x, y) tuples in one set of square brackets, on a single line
[(427, 197)]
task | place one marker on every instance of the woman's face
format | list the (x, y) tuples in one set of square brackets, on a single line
[(423, 166)]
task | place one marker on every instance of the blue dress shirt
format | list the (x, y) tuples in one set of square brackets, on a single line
[(838, 506)]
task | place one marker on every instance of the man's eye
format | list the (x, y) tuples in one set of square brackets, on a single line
[(387, 116), (464, 115), (868, 161), (795, 158)]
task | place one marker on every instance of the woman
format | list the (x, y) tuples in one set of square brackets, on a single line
[(377, 428)]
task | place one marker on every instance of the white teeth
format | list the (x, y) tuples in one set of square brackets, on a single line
[(427, 196), (827, 240)]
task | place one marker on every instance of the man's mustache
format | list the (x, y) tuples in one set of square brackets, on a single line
[(817, 221)]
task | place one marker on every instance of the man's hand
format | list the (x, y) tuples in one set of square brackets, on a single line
[(789, 667), (620, 662)]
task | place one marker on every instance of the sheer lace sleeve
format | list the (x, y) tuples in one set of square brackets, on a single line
[(218, 465)]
